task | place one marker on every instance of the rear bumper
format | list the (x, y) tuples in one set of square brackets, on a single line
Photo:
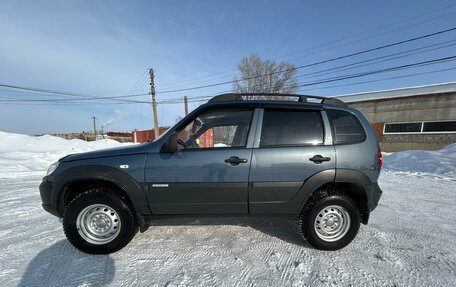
[(373, 195), (46, 190)]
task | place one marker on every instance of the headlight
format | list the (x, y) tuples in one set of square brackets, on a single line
[(52, 168)]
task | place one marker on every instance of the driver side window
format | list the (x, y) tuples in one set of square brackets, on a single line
[(216, 129)]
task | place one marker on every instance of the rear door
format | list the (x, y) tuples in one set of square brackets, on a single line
[(293, 145)]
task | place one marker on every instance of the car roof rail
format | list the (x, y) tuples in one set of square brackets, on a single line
[(230, 97)]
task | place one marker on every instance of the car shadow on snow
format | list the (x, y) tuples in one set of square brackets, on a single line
[(285, 229), (63, 265)]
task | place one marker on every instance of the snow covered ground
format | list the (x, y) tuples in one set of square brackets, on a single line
[(408, 242)]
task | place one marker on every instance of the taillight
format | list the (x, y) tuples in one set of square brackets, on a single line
[(380, 159)]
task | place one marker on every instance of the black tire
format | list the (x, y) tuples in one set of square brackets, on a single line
[(124, 215), (315, 207)]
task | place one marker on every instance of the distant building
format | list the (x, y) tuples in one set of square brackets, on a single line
[(118, 136), (421, 117), (146, 135), (70, 136)]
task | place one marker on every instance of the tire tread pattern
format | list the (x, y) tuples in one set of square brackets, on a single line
[(311, 202), (99, 249)]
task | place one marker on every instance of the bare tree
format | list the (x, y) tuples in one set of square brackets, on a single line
[(258, 76)]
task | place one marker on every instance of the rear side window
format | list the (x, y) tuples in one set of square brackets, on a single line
[(346, 127), (291, 128)]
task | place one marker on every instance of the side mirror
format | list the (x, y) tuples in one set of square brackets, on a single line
[(170, 144)]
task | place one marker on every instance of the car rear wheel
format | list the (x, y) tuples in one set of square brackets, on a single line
[(329, 220), (99, 222)]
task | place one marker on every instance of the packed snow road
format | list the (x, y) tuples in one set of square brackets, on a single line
[(408, 242)]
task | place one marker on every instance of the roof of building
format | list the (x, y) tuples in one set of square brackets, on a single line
[(161, 129), (118, 134), (399, 93)]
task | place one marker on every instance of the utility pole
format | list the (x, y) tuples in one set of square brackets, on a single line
[(154, 104), (95, 127), (186, 105)]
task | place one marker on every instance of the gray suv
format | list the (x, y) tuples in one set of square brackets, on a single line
[(304, 157)]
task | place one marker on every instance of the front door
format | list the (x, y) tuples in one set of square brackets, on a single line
[(209, 172)]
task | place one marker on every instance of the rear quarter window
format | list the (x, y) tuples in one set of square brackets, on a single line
[(346, 128)]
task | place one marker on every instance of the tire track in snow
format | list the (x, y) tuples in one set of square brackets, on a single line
[(394, 249)]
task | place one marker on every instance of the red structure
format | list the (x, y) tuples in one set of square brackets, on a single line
[(146, 135), (206, 139), (378, 129), (117, 134)]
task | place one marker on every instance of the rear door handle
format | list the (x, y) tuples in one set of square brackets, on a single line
[(319, 159), (234, 160)]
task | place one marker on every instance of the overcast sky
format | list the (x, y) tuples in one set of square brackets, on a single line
[(104, 48)]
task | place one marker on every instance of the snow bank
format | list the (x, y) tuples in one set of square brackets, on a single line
[(441, 162), (23, 153)]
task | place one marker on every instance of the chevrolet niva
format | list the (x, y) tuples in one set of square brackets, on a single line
[(310, 158)]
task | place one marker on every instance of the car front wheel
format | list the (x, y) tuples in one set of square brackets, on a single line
[(99, 222)]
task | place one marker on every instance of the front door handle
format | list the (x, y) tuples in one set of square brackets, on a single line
[(319, 159), (234, 160)]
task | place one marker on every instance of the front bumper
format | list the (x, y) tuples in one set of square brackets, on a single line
[(46, 191)]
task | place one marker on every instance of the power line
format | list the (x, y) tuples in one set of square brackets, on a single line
[(317, 82), (401, 67), (315, 63), (122, 98), (44, 91), (379, 28), (82, 97), (363, 63), (339, 40), (363, 74), (208, 97), (374, 36), (318, 46), (79, 97), (380, 59), (135, 86), (117, 98), (379, 80)]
